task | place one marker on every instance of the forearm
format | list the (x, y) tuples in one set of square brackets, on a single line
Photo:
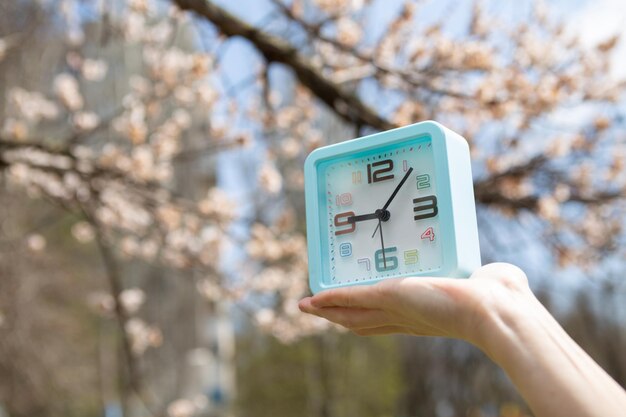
[(553, 374)]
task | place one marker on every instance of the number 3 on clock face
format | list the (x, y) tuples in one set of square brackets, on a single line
[(395, 204)]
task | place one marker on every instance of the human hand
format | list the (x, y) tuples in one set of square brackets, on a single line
[(450, 307), (496, 311)]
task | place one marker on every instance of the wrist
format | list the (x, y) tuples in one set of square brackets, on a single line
[(508, 317)]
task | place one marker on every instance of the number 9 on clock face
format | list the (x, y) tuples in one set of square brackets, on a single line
[(395, 204)]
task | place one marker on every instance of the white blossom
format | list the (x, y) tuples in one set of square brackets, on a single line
[(217, 204), (270, 179), (181, 408), (348, 31), (134, 26), (142, 336), (209, 290), (36, 242), (85, 120), (94, 69), (132, 299), (33, 106), (83, 232), (265, 317), (67, 90)]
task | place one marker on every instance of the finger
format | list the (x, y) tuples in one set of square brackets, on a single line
[(305, 304), (383, 330), (364, 296), (354, 318)]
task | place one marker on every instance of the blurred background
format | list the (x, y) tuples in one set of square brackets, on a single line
[(152, 229)]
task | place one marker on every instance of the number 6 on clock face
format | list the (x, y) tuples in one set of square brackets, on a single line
[(395, 204)]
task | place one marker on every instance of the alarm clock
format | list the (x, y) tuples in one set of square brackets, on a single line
[(399, 203)]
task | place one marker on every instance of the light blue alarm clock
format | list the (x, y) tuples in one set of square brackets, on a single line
[(394, 204)]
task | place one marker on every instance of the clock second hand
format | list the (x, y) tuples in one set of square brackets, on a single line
[(376, 230), (382, 242)]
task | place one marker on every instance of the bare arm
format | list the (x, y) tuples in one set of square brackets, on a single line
[(496, 311)]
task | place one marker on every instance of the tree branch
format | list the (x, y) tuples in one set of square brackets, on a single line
[(488, 191), (347, 105), (114, 277), (115, 286)]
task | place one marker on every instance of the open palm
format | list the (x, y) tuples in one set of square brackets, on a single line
[(448, 307)]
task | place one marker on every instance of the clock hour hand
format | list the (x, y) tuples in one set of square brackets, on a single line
[(360, 218)]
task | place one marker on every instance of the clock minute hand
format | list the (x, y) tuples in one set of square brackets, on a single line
[(393, 195)]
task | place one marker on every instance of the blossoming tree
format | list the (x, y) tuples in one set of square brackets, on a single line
[(538, 109)]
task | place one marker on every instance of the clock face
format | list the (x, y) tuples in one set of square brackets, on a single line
[(361, 243)]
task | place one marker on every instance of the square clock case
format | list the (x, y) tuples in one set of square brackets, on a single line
[(394, 204)]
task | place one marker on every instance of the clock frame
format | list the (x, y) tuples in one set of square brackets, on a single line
[(455, 207)]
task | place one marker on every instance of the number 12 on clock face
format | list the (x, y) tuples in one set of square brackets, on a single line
[(395, 204)]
